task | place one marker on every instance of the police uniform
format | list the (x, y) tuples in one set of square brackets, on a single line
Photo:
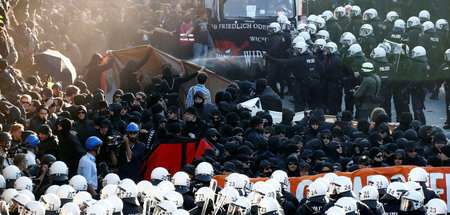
[(400, 85), (433, 44), (384, 69), (276, 47), (444, 71), (333, 72), (419, 71)]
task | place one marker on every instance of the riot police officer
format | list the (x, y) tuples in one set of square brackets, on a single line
[(384, 70), (333, 72), (432, 43), (400, 82), (367, 39), (341, 17), (370, 17), (388, 24), (444, 70), (419, 69), (397, 34), (349, 79), (356, 20), (413, 29), (276, 47), (307, 77), (332, 25)]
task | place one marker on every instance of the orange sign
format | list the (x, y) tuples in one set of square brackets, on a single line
[(439, 179)]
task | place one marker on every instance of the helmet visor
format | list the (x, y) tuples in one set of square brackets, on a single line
[(407, 205)]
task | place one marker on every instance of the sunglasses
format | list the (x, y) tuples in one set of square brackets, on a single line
[(323, 159), (214, 135), (268, 168), (134, 132), (81, 112), (326, 137), (24, 102), (266, 132), (170, 113), (398, 158), (117, 97), (338, 147), (291, 163)]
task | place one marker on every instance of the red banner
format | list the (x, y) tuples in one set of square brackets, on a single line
[(439, 179)]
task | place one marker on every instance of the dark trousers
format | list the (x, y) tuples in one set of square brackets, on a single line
[(401, 99), (334, 97), (417, 100), (447, 102), (349, 99), (386, 93)]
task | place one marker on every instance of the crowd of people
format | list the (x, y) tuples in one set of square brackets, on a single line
[(68, 149)]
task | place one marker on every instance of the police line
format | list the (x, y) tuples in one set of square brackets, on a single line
[(439, 179)]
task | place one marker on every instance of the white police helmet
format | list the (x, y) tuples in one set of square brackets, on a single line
[(116, 203), (348, 204), (79, 183), (392, 16), (50, 201), (8, 194), (65, 192), (317, 192), (347, 39), (442, 24), (95, 210), (268, 205), (447, 55), (340, 12), (70, 208), (58, 171), (370, 14), (203, 194), (323, 34), (424, 15), (320, 22), (111, 178), (378, 53), (411, 201), (305, 35), (354, 49), (241, 205), (81, 197), (427, 26), (412, 22), (355, 11), (21, 200), (204, 171), (174, 197), (436, 207), (332, 47), (399, 23), (341, 185), (311, 29), (23, 183), (159, 174), (301, 47), (327, 15), (34, 208), (275, 26), (335, 210), (108, 190), (418, 174), (366, 30), (396, 189)]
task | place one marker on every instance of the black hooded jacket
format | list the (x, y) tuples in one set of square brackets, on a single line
[(70, 149), (83, 127)]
